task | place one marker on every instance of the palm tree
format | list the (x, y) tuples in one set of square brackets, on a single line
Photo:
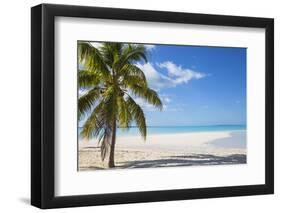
[(109, 81)]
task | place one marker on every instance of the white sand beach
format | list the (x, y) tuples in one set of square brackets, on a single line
[(181, 149)]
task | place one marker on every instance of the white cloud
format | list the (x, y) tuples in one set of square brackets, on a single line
[(179, 74), (176, 75), (150, 47), (165, 98), (168, 100), (155, 79)]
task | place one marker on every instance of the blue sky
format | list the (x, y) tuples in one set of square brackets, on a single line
[(197, 85)]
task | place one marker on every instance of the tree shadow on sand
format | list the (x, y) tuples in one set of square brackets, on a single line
[(188, 160)]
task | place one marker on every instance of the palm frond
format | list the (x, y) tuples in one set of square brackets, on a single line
[(111, 52), (109, 75), (147, 94), (152, 97), (86, 101), (94, 124), (104, 141), (131, 53), (130, 70), (88, 79), (98, 125), (138, 115), (107, 117), (131, 80), (124, 114), (91, 58)]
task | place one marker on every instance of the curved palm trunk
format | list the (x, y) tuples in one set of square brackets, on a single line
[(111, 163)]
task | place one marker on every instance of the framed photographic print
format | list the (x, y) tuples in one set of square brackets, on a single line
[(139, 106)]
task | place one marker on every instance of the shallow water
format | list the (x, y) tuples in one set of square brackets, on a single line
[(153, 130), (156, 130), (236, 140)]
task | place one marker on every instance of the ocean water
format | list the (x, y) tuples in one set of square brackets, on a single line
[(155, 130)]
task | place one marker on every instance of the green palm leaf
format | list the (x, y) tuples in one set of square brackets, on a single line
[(124, 114), (132, 53), (91, 58), (86, 101), (138, 115), (109, 75), (132, 70), (88, 78)]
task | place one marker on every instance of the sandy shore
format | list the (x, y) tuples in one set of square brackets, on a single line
[(185, 149)]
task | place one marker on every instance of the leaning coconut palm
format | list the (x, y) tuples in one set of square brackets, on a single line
[(109, 81)]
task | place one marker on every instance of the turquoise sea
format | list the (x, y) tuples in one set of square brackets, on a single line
[(153, 130)]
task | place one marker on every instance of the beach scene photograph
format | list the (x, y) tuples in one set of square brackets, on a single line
[(160, 105)]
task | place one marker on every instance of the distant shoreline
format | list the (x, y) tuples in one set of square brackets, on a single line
[(183, 133)]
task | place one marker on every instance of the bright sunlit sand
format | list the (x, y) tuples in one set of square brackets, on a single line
[(189, 102), (165, 150)]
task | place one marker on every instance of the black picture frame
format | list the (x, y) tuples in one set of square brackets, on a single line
[(43, 102)]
